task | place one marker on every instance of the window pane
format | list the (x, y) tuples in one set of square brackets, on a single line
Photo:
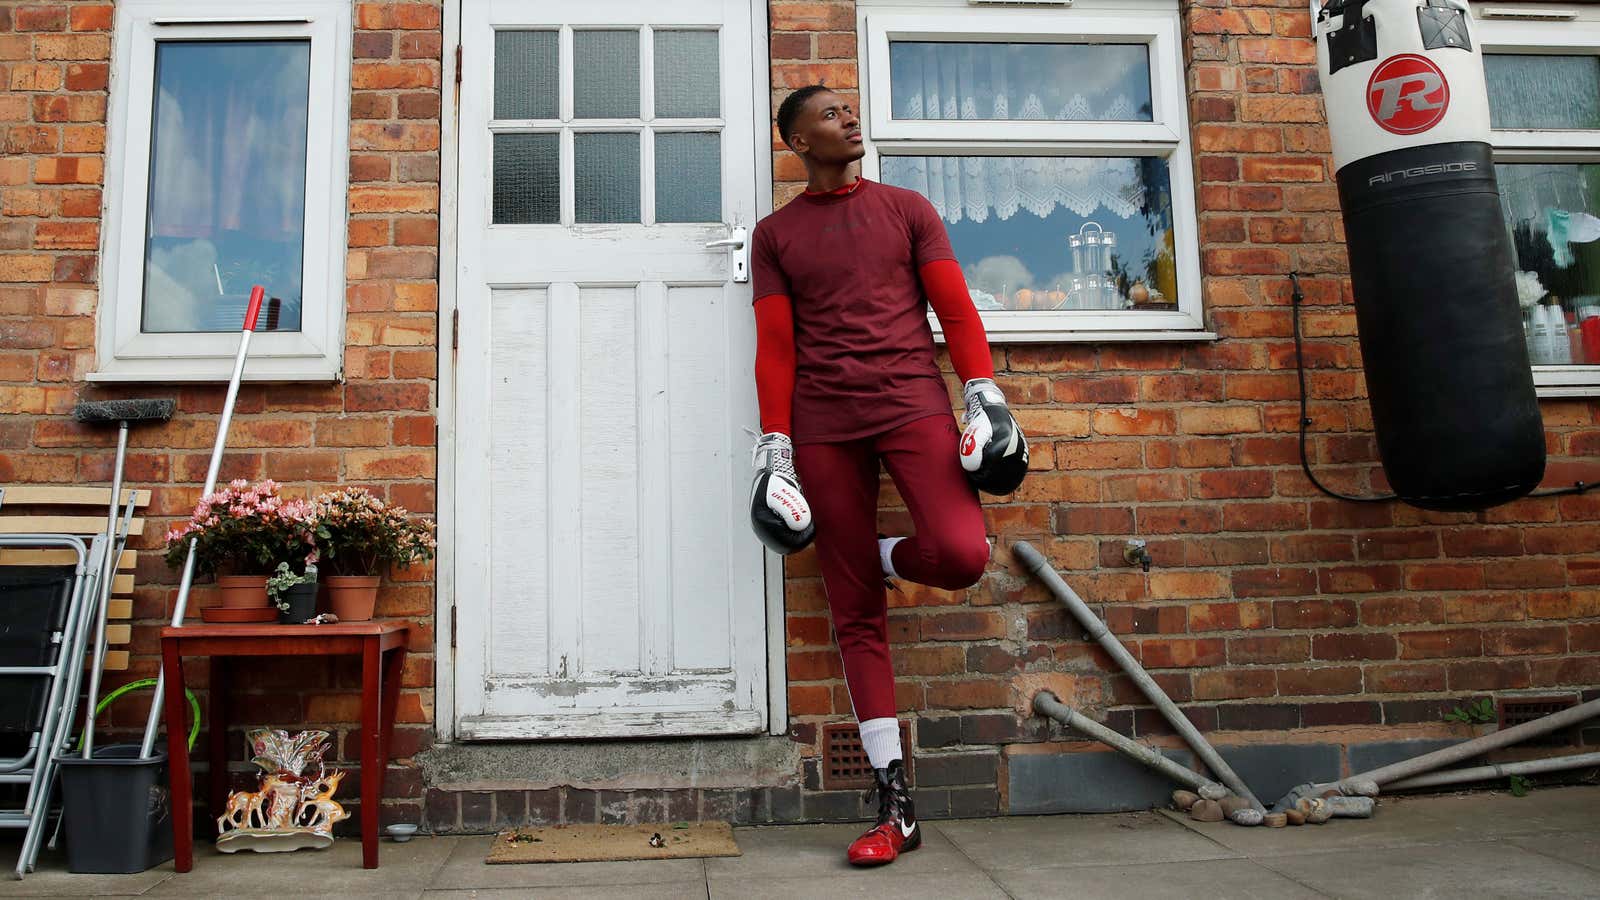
[(1529, 91), (689, 177), (227, 184), (1060, 82), (1053, 232), (526, 75), (687, 83), (1553, 212), (606, 172), (527, 179), (605, 74)]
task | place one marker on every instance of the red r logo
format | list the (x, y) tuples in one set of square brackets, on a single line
[(1407, 94), (968, 442)]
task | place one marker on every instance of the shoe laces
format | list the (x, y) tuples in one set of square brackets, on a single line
[(890, 800), (774, 452)]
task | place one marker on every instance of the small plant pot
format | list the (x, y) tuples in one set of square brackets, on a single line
[(243, 591), (302, 600), (352, 597)]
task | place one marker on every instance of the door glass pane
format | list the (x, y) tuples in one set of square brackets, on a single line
[(605, 74), (527, 179), (1060, 82), (687, 82), (689, 177), (1537, 91), (606, 173), (227, 205), (1053, 232), (526, 79), (1553, 212)]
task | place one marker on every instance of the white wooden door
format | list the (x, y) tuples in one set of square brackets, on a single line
[(607, 582)]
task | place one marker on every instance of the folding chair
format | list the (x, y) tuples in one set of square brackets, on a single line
[(50, 597)]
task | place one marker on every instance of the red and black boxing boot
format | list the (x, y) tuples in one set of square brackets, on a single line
[(897, 830)]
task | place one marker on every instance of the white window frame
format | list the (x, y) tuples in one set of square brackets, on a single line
[(1166, 135), (124, 352), (1577, 35)]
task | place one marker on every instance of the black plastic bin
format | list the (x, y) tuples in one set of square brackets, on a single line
[(118, 811)]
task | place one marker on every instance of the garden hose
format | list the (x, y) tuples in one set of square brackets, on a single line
[(194, 706)]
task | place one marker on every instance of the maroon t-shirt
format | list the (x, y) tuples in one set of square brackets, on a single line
[(863, 347)]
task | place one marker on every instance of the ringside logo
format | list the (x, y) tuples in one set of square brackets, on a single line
[(1407, 94)]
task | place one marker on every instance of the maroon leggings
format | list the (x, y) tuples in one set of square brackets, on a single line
[(948, 551)]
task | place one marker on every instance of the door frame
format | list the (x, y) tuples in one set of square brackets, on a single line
[(444, 676)]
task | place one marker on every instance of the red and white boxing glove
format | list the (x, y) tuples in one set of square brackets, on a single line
[(779, 513), (994, 452)]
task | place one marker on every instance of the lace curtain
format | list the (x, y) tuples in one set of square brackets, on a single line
[(1043, 82)]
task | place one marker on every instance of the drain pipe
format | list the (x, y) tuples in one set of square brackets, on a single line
[(1367, 784), (1046, 704), (1097, 630), (1483, 773)]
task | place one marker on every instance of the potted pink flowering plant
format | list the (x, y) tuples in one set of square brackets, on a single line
[(358, 537), (240, 532)]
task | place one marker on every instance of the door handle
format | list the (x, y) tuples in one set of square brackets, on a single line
[(737, 241)]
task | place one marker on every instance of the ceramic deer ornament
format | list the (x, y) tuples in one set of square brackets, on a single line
[(290, 809)]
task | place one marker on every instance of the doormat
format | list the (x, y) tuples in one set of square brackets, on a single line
[(596, 843)]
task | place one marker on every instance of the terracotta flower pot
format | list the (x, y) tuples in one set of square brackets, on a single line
[(352, 597), (242, 591)]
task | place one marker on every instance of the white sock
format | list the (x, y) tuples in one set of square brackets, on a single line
[(881, 738), (886, 556)]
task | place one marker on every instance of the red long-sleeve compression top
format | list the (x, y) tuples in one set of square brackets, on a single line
[(946, 289)]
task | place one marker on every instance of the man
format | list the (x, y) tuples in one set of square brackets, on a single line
[(846, 379)]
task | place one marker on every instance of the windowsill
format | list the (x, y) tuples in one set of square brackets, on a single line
[(1094, 337), (1567, 391), (211, 375)]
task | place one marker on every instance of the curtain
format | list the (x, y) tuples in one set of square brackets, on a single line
[(1010, 82)]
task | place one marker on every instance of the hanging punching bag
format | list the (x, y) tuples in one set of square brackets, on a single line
[(1453, 403)]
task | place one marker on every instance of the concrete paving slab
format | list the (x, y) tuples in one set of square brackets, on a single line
[(788, 851), (403, 872), (1023, 842), (689, 890), (883, 883), (465, 869), (1236, 879), (1498, 813), (1581, 848), (1491, 869), (51, 878)]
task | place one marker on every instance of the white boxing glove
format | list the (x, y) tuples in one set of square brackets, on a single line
[(779, 513), (994, 452)]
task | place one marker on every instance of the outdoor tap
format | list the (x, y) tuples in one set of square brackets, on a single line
[(1136, 554)]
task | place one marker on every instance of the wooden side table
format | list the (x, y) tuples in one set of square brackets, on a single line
[(382, 648)]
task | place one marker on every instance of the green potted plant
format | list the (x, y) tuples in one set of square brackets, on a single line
[(295, 595), (358, 537), (240, 532)]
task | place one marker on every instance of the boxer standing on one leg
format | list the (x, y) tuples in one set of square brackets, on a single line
[(845, 374)]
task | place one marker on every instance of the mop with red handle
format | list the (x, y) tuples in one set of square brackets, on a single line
[(147, 749)]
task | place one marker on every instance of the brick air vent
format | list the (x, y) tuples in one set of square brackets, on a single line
[(844, 760), (1517, 710)]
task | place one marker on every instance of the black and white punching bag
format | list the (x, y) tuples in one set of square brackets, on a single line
[(1431, 263)]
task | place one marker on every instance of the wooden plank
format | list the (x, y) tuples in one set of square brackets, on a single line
[(83, 525), (10, 557), (67, 495), (116, 660), (122, 584), (119, 634), (119, 609)]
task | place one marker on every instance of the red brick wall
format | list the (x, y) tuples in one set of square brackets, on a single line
[(377, 429), (1270, 606)]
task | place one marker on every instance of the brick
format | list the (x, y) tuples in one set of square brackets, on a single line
[(1354, 646), (391, 199), (834, 16), (387, 76), (1258, 716), (1319, 613), (796, 75), (963, 626), (91, 18), (1324, 681), (67, 236), (72, 46), (1266, 649), (39, 18), (35, 77), (1230, 684), (1171, 653), (1273, 582), (1442, 643), (1536, 640), (409, 136)]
